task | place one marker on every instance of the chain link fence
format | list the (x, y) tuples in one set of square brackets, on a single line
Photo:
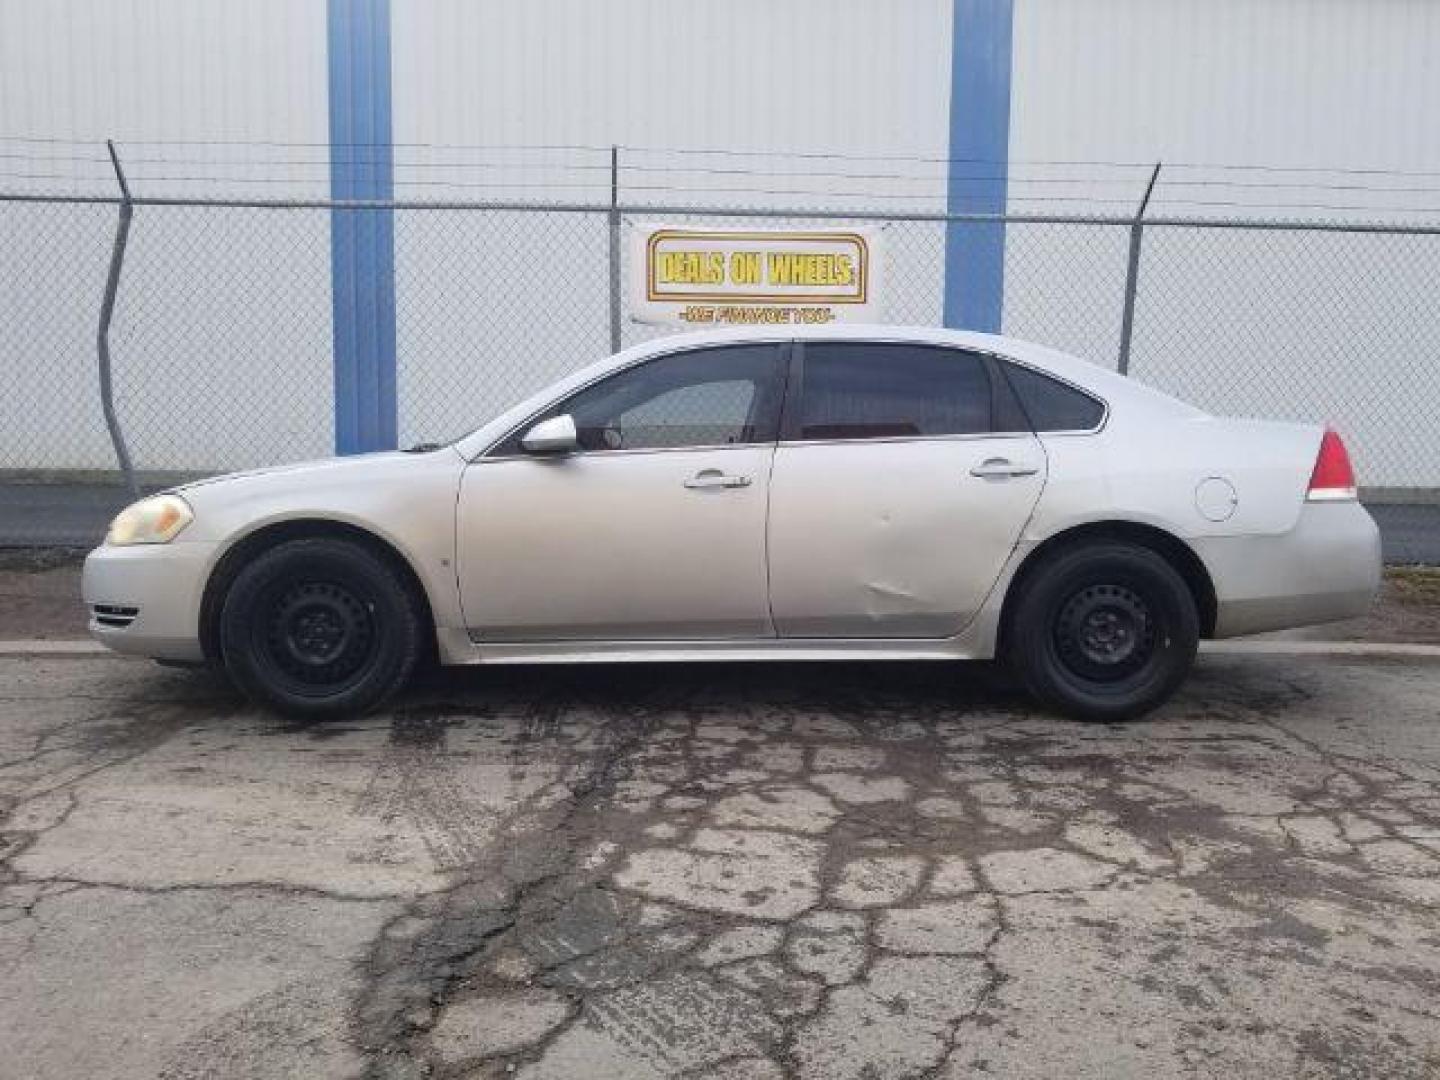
[(221, 339), (491, 306)]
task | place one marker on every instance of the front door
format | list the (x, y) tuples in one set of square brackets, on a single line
[(895, 498), (654, 530)]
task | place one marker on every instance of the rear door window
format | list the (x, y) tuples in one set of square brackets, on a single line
[(886, 390)]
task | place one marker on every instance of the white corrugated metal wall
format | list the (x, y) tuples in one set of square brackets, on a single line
[(1309, 83)]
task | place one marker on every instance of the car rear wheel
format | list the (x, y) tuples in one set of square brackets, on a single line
[(320, 627), (1104, 631)]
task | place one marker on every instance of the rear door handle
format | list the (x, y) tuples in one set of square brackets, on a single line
[(714, 478), (999, 468)]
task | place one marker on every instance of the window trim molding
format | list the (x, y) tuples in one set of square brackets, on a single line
[(607, 454), (977, 436)]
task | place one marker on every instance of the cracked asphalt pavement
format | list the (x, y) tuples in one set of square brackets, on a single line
[(722, 871)]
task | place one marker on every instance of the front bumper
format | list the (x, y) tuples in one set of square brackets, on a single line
[(1325, 569), (163, 583)]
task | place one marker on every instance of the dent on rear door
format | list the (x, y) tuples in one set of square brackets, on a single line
[(893, 540)]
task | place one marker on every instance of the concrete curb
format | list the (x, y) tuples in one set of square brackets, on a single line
[(53, 648), (1319, 648), (81, 648)]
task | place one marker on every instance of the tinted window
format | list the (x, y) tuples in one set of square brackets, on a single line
[(1050, 404), (707, 397), (868, 390)]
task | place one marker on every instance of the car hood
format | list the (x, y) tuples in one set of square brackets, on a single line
[(323, 469)]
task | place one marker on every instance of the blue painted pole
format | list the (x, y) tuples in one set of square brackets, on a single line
[(979, 156), (362, 242)]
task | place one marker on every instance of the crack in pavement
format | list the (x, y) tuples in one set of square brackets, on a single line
[(430, 946)]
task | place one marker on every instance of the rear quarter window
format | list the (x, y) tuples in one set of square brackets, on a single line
[(1051, 405)]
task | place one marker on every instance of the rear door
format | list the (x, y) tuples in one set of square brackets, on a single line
[(896, 496)]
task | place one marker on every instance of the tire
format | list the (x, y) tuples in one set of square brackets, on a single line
[(321, 627), (1104, 631)]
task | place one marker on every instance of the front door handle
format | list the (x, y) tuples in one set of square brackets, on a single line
[(1000, 468), (714, 478)]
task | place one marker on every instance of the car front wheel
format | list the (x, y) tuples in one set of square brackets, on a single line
[(320, 627), (1104, 631)]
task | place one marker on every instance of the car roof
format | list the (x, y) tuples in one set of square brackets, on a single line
[(1103, 382)]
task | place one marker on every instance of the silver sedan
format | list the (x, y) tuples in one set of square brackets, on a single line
[(851, 492)]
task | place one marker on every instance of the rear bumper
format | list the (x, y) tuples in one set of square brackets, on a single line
[(1324, 569), (162, 583)]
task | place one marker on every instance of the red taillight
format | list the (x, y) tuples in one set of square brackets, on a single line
[(1333, 477)]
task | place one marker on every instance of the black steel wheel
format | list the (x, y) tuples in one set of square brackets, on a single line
[(320, 627), (1103, 630)]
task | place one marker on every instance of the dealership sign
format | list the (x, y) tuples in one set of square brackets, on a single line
[(729, 277)]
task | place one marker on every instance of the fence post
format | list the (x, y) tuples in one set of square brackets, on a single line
[(107, 310), (1132, 273), (614, 249)]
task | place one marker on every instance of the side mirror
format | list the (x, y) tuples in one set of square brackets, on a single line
[(554, 436)]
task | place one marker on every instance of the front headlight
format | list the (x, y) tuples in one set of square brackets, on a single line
[(156, 520)]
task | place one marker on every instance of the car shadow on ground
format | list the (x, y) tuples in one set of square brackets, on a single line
[(888, 689)]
